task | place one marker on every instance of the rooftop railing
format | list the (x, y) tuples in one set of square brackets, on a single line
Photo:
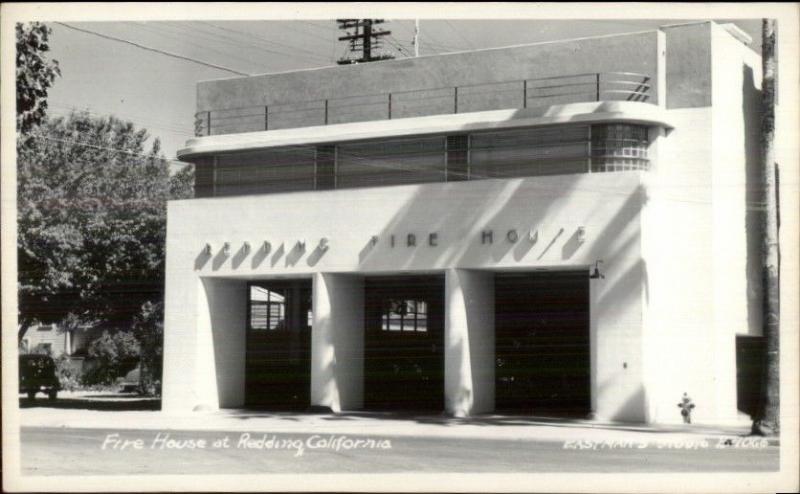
[(527, 93)]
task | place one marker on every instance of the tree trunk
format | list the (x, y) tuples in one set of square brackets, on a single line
[(768, 421), (24, 324)]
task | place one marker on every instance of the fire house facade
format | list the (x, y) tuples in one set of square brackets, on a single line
[(548, 229)]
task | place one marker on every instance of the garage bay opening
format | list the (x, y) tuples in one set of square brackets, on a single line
[(278, 360), (403, 347), (542, 343)]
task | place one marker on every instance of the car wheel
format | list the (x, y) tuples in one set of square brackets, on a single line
[(52, 394), (31, 395)]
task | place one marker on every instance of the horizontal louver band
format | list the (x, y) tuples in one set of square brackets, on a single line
[(496, 154)]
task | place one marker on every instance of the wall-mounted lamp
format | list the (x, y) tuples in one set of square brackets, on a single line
[(246, 248), (596, 274), (266, 246), (533, 236), (323, 244), (301, 244), (581, 234), (207, 249), (226, 248), (374, 240)]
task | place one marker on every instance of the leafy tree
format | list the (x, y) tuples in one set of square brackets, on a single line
[(149, 327), (35, 74), (92, 221), (115, 354), (181, 184)]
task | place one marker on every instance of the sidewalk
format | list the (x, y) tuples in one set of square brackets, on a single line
[(498, 427)]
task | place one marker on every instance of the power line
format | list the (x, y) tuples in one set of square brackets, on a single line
[(265, 40), (305, 33), (325, 28), (364, 38), (183, 37), (252, 38), (174, 127), (459, 34), (117, 150), (155, 50), (395, 43)]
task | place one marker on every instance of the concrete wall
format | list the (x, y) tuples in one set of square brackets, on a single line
[(337, 342), (469, 379), (672, 240), (697, 237), (688, 68), (736, 177), (677, 257), (552, 208), (300, 92), (205, 344)]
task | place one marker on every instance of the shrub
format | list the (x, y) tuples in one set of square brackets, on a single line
[(114, 356), (68, 376), (149, 328)]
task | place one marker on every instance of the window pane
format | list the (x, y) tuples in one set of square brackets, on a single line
[(529, 152), (619, 147), (276, 170), (391, 162), (267, 309)]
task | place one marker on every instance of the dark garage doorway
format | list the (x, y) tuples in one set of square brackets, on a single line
[(749, 373), (542, 343), (403, 343), (278, 357)]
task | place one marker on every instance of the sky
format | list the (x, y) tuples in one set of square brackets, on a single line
[(157, 92)]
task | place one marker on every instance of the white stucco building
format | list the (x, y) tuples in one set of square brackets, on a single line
[(557, 229)]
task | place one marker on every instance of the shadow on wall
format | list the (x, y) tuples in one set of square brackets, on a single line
[(276, 256), (260, 255), (226, 299), (633, 409), (220, 259), (240, 255), (754, 180), (294, 255), (202, 258), (509, 208), (571, 245), (544, 216), (527, 208)]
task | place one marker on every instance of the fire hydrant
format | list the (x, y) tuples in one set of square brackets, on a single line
[(686, 406)]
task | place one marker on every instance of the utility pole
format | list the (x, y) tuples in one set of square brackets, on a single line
[(364, 39), (416, 37), (767, 421)]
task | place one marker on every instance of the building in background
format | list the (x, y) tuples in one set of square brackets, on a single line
[(560, 228), (51, 340), (46, 339)]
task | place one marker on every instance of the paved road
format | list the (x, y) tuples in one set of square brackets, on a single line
[(64, 451)]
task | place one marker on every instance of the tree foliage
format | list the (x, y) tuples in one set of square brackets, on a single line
[(35, 74), (149, 328), (92, 221), (114, 355)]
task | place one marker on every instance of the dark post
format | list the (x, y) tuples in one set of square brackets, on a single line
[(326, 112), (366, 46), (597, 83), (266, 118), (767, 420), (455, 99), (390, 106), (525, 93), (208, 123)]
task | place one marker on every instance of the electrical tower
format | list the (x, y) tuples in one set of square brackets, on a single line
[(363, 39)]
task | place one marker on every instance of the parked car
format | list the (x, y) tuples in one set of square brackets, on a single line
[(38, 373), (130, 382)]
